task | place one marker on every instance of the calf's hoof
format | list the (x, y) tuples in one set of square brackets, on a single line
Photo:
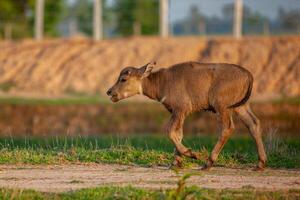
[(192, 154), (207, 166), (177, 163), (196, 155), (260, 167)]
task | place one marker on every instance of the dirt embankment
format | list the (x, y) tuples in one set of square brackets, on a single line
[(59, 66)]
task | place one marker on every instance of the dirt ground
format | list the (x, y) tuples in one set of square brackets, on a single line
[(60, 178)]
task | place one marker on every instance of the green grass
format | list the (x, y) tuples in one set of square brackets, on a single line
[(111, 193), (6, 86), (71, 100), (82, 98), (283, 100), (144, 150)]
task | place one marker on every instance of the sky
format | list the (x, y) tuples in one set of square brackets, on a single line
[(180, 8)]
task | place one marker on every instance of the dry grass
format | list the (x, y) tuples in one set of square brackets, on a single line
[(274, 143)]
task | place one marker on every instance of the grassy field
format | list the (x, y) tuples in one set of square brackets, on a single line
[(144, 150)]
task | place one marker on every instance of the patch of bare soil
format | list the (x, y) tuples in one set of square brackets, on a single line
[(60, 178)]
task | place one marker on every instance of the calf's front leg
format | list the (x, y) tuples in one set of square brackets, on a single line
[(175, 133)]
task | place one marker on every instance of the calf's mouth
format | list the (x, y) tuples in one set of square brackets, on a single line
[(114, 98)]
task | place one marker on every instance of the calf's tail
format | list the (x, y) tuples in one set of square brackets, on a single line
[(247, 95)]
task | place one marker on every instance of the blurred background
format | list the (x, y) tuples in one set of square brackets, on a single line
[(119, 18), (57, 59)]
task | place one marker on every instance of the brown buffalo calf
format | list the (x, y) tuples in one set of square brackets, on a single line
[(191, 86)]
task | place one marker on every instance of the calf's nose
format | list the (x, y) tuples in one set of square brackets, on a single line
[(108, 92)]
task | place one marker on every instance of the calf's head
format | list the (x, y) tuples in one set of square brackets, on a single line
[(129, 82)]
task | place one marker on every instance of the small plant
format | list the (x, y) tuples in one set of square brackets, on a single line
[(6, 86), (282, 151), (182, 191), (76, 181), (275, 144)]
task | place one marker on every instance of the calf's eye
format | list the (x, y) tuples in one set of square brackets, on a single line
[(123, 80)]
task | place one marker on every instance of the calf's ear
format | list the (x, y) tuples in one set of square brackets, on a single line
[(145, 71)]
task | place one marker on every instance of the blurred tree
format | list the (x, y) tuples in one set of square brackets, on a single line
[(82, 14), (248, 14), (12, 8), (194, 23), (131, 12), (289, 20), (198, 23), (252, 21), (196, 17), (13, 13), (52, 15), (20, 14)]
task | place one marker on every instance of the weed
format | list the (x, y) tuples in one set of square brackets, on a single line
[(76, 181), (183, 191), (274, 143)]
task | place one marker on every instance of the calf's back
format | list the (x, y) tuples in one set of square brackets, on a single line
[(196, 86)]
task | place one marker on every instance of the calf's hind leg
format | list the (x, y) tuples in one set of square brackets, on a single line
[(252, 123), (175, 133), (227, 126)]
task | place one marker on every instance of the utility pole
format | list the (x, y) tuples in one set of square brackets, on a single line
[(164, 18), (97, 20), (137, 29), (202, 26), (8, 31), (238, 18), (266, 27), (73, 28), (39, 19)]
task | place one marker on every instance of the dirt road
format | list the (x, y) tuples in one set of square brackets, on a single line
[(59, 178)]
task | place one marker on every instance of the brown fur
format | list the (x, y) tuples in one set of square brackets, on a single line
[(191, 86)]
